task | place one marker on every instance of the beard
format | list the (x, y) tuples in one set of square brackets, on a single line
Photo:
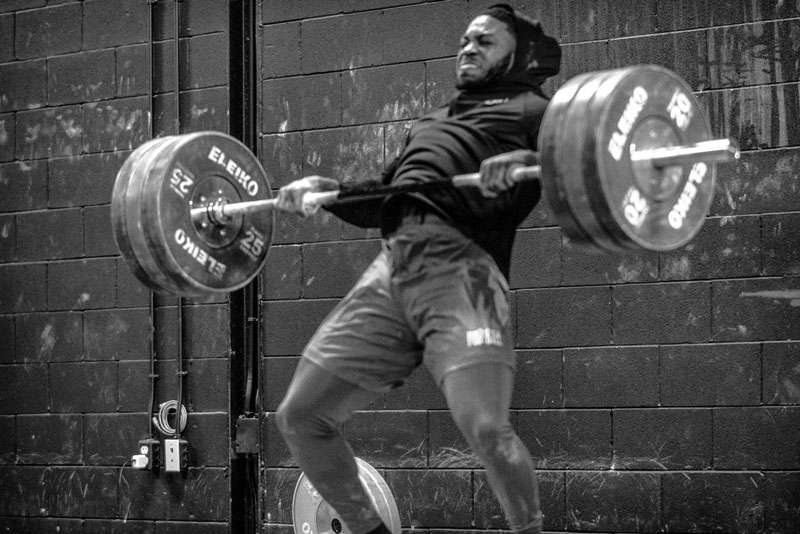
[(495, 73)]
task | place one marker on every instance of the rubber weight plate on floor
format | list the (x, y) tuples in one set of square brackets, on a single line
[(311, 514)]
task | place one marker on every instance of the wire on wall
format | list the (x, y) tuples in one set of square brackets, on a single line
[(177, 77), (153, 375)]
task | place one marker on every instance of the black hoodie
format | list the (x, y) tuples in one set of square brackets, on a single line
[(476, 124)]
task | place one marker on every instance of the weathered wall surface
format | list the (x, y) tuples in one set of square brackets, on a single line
[(656, 391), (75, 325)]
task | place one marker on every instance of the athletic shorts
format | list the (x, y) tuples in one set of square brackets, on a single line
[(432, 295)]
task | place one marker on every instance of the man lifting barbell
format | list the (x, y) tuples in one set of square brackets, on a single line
[(437, 293), (626, 160)]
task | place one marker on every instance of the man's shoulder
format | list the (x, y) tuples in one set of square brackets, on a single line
[(530, 100), (527, 100), (524, 103), (437, 113)]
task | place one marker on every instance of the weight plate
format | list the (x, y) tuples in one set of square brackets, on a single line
[(647, 107), (203, 261), (592, 203), (550, 132), (124, 217), (577, 136), (118, 208), (311, 514), (156, 270)]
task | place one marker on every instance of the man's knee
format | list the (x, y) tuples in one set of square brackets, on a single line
[(293, 419), (489, 436), (300, 422)]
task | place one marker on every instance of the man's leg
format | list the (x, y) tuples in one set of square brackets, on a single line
[(479, 397), (310, 418)]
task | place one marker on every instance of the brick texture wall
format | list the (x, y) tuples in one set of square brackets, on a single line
[(75, 326), (657, 392)]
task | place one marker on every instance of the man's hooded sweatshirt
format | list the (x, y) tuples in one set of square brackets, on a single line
[(500, 116)]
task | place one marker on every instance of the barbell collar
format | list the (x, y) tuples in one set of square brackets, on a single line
[(725, 149)]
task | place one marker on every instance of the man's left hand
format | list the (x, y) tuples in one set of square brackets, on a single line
[(496, 171)]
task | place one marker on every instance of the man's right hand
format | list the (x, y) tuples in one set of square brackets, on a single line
[(497, 172), (290, 196)]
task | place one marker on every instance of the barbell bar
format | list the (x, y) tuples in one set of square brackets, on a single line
[(724, 149), (627, 162), (220, 211)]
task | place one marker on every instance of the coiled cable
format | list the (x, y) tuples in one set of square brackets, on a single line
[(165, 410)]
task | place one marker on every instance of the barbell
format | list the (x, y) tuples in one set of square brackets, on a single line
[(627, 162)]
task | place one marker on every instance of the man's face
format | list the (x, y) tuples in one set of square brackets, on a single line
[(486, 51)]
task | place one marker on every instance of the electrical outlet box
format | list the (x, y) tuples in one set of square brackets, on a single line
[(176, 455), (149, 456)]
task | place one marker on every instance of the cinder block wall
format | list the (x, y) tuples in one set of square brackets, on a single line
[(657, 392), (75, 326)]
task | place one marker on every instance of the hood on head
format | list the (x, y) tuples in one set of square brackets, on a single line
[(537, 55)]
